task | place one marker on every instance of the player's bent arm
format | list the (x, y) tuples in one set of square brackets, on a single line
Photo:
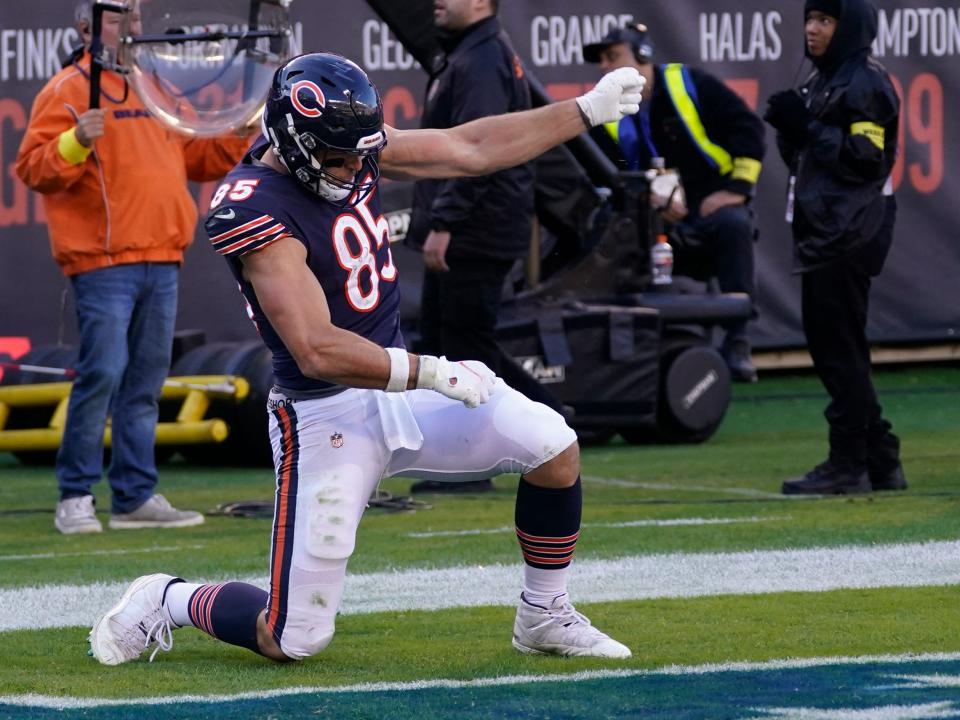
[(296, 307), (481, 146)]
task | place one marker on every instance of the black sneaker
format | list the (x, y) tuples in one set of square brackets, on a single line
[(888, 480), (439, 486), (737, 356), (829, 479)]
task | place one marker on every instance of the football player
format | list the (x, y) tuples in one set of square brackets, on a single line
[(299, 223)]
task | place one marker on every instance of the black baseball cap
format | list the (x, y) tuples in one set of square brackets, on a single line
[(635, 35)]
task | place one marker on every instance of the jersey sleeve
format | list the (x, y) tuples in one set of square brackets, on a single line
[(236, 230)]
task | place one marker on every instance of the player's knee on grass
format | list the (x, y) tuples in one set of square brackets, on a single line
[(307, 636), (329, 507), (312, 609)]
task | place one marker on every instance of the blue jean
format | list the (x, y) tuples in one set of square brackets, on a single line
[(126, 315)]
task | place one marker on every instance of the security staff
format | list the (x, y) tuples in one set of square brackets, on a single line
[(472, 230), (702, 128), (838, 136)]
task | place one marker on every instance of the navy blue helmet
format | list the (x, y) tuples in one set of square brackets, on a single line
[(321, 103)]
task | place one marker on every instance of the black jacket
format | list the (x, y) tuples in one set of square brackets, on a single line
[(838, 203), (487, 216), (727, 120)]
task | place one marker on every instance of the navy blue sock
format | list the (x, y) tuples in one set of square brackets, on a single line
[(548, 524), (229, 612)]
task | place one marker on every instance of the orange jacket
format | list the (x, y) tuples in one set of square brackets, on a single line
[(127, 201)]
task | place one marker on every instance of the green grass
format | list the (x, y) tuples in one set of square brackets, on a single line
[(773, 430), (466, 644)]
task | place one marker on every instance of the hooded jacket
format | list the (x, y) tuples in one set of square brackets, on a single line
[(850, 148), (487, 216)]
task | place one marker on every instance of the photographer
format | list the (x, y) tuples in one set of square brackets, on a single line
[(114, 186), (472, 230)]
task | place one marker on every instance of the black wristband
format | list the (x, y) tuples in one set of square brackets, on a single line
[(416, 375)]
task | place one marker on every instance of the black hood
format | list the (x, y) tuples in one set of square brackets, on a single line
[(856, 30)]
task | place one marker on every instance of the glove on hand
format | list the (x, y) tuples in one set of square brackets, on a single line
[(617, 94), (469, 381), (787, 112)]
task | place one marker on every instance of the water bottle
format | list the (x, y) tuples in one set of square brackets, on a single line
[(661, 261)]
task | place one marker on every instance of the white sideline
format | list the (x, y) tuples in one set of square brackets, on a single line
[(719, 489), (666, 522), (626, 578), (91, 553), (71, 703)]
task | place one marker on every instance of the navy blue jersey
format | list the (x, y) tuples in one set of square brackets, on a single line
[(348, 250)]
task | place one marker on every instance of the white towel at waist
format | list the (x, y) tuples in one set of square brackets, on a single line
[(400, 428)]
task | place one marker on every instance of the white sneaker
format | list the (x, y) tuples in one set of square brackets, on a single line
[(134, 623), (561, 630), (157, 512), (76, 515)]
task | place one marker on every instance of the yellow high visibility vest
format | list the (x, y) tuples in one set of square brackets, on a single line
[(679, 88), (613, 130), (675, 78)]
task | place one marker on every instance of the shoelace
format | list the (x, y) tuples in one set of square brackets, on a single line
[(161, 633), (574, 624), (567, 615)]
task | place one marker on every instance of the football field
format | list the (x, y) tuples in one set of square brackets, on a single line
[(737, 602)]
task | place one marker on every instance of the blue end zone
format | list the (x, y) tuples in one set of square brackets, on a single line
[(762, 693)]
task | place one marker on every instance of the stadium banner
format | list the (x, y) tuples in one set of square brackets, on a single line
[(753, 45)]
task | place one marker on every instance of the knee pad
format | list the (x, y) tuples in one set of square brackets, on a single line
[(331, 510)]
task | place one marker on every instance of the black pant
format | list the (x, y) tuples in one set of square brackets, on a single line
[(835, 300), (727, 237), (458, 317)]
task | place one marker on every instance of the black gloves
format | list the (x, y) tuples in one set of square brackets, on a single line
[(787, 112)]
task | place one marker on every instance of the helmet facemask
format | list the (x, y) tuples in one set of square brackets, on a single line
[(308, 160)]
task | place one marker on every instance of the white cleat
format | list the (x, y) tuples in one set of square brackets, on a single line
[(134, 623), (561, 630)]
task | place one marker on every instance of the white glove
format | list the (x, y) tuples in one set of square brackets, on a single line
[(618, 93), (469, 381)]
